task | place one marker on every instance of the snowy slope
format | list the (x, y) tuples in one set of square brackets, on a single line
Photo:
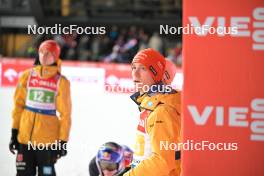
[(97, 117)]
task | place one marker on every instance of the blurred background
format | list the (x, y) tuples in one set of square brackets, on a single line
[(90, 62), (130, 25)]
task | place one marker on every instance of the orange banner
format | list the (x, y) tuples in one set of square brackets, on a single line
[(223, 90)]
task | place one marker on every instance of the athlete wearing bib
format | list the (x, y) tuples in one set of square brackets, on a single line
[(41, 114)]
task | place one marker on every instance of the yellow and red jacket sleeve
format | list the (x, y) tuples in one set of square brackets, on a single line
[(19, 99)]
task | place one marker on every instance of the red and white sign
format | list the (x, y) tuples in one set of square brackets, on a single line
[(12, 68), (115, 78), (223, 97), (118, 78)]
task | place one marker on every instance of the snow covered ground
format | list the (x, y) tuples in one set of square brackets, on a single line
[(97, 117)]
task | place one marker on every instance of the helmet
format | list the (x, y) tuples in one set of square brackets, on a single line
[(110, 157), (52, 46)]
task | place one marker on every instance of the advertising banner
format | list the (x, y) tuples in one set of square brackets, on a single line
[(223, 97)]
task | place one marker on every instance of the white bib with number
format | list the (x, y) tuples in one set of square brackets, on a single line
[(41, 93)]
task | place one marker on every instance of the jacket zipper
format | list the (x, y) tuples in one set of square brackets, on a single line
[(32, 127)]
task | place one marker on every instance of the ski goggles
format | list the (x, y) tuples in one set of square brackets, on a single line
[(106, 165)]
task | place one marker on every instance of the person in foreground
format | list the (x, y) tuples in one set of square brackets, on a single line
[(112, 159), (160, 118)]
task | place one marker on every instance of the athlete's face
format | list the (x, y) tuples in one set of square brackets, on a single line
[(46, 57), (141, 77), (109, 173)]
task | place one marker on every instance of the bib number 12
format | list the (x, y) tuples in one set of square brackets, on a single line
[(38, 96), (41, 96)]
